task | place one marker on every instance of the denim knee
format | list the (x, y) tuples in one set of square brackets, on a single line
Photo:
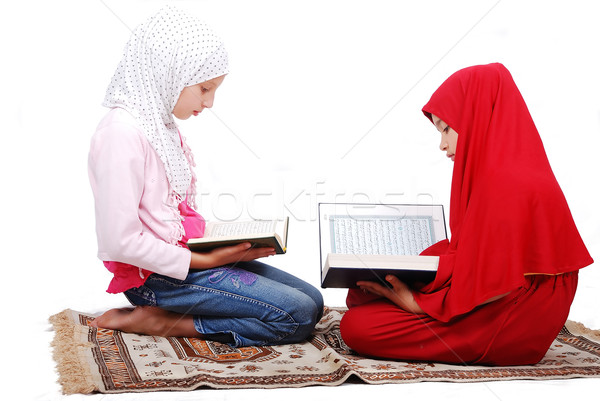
[(306, 314)]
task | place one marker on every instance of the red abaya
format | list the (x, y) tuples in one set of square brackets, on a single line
[(512, 233)]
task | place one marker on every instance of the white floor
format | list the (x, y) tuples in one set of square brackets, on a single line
[(322, 104)]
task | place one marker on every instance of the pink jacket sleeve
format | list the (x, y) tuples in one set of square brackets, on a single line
[(117, 168)]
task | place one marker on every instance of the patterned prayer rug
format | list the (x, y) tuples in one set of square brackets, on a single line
[(98, 360)]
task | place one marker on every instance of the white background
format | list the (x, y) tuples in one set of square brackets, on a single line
[(322, 104)]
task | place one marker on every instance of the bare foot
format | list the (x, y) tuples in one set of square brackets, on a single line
[(112, 319), (149, 320)]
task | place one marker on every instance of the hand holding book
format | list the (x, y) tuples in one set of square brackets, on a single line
[(224, 255), (399, 293)]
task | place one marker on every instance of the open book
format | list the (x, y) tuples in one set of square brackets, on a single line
[(365, 242), (260, 233)]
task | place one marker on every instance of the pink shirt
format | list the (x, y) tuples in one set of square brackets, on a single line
[(138, 218)]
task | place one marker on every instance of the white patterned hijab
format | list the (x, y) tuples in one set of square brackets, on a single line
[(165, 54)]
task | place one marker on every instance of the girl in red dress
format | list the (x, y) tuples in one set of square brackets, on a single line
[(508, 275)]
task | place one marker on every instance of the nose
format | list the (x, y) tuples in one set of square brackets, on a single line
[(443, 145), (208, 103)]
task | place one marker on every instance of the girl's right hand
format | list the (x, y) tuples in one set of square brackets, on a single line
[(227, 255)]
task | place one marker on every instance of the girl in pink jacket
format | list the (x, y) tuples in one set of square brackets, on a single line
[(141, 176)]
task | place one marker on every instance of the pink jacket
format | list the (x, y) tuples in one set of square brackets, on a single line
[(138, 218)]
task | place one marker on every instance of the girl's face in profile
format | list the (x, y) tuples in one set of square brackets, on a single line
[(449, 137), (195, 98)]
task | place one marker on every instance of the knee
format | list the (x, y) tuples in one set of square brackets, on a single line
[(353, 330), (319, 305), (306, 313), (311, 301)]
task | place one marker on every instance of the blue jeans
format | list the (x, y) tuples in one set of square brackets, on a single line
[(250, 303)]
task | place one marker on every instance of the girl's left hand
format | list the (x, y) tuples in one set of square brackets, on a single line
[(400, 293), (228, 254)]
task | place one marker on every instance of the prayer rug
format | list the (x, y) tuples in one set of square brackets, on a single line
[(106, 361)]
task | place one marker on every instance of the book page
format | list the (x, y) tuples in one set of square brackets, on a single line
[(241, 228), (380, 235)]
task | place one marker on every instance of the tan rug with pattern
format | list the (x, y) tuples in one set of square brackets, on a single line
[(106, 361)]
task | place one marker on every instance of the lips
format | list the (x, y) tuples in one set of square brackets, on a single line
[(195, 112)]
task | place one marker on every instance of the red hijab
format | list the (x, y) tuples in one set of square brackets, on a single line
[(508, 215)]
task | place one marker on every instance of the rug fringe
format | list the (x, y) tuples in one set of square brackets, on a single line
[(73, 371), (579, 329)]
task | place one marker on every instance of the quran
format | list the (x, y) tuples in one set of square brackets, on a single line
[(260, 233), (366, 242)]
